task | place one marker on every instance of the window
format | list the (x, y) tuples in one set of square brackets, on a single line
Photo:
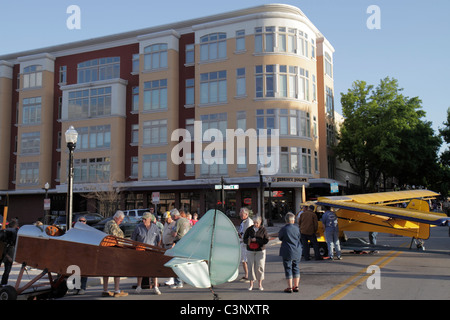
[(91, 170), (99, 69), (303, 43), (304, 85), (154, 166), (32, 76), (264, 39), (305, 124), (265, 119), (240, 40), (289, 122), (155, 95), (134, 167), (30, 142), (190, 53), (241, 119), (328, 65), (90, 103), (265, 80), (189, 165), (155, 132), (190, 92), (329, 101), (190, 129), (214, 163), (134, 134), (155, 56), (240, 82), (62, 74), (213, 46), (95, 137), (213, 121), (213, 87), (135, 99), (135, 63), (31, 110), (29, 173), (290, 160), (306, 161)]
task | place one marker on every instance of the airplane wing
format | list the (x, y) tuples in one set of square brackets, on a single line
[(391, 212), (387, 197)]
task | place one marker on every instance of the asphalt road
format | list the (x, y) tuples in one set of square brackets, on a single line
[(395, 273)]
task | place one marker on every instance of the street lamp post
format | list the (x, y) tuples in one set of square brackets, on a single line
[(71, 140), (46, 209)]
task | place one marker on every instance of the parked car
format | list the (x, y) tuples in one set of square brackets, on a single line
[(128, 225), (91, 219), (135, 212)]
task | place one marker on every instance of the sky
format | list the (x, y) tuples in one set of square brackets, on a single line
[(411, 41)]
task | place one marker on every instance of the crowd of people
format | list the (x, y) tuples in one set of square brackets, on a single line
[(294, 237)]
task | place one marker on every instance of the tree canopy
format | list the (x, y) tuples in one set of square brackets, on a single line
[(383, 134)]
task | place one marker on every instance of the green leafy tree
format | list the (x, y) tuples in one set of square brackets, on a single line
[(377, 136)]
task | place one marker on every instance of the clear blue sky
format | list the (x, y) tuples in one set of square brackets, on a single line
[(412, 45)]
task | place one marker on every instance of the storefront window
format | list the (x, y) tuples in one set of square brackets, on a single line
[(190, 202)]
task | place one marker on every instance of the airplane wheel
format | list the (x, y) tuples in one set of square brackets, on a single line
[(8, 293)]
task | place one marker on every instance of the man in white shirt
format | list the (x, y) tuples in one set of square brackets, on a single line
[(246, 222)]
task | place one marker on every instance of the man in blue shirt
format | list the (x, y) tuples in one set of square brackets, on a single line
[(149, 233), (330, 223)]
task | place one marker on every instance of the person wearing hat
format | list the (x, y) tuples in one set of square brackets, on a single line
[(167, 237), (147, 232)]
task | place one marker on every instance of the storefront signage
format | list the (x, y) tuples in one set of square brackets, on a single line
[(288, 179)]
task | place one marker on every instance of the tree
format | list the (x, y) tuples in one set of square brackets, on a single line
[(379, 128), (443, 181)]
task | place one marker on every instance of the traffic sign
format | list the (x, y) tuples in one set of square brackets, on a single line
[(227, 187)]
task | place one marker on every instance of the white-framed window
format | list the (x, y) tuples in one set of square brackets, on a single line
[(265, 80), (265, 119), (99, 69), (213, 46), (329, 100), (155, 56), (190, 92), (135, 99), (29, 173), (241, 120), (91, 170), (213, 164), (189, 164), (306, 161), (88, 103), (213, 121), (94, 137), (265, 39), (155, 132), (63, 74), (154, 166), (32, 76), (30, 142), (241, 89), (213, 87), (31, 110), (134, 167), (304, 85), (289, 160), (134, 134), (190, 53), (328, 65), (135, 63), (155, 95), (240, 40), (303, 43)]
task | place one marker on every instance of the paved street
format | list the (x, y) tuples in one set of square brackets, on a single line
[(403, 274)]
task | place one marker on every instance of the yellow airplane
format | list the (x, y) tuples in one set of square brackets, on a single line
[(374, 212)]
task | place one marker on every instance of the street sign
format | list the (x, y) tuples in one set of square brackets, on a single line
[(334, 188), (155, 197), (227, 187), (46, 204)]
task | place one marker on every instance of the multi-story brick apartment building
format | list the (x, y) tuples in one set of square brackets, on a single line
[(266, 67)]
